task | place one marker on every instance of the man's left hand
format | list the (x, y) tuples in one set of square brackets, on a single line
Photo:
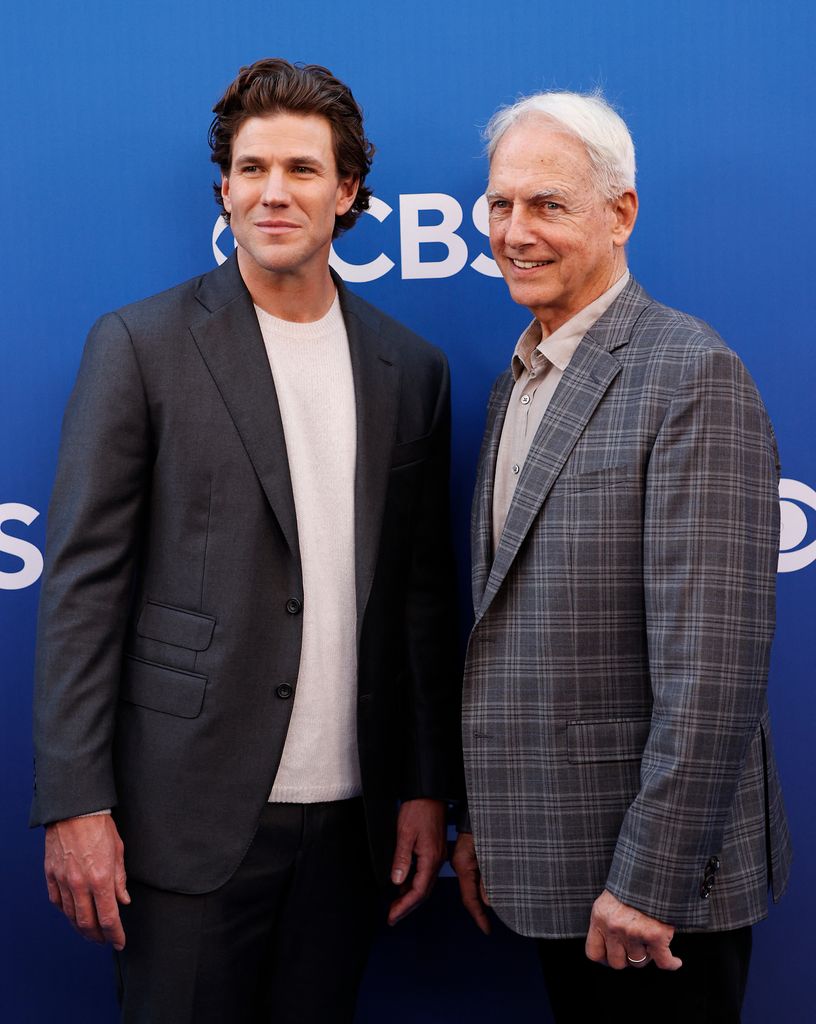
[(421, 834), (622, 937)]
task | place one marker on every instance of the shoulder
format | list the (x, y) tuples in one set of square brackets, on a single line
[(399, 341), (178, 302), (671, 345)]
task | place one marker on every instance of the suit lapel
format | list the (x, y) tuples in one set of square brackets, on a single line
[(586, 380), (230, 342), (376, 390), (481, 552)]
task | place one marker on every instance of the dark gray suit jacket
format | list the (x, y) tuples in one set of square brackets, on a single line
[(616, 725), (170, 619)]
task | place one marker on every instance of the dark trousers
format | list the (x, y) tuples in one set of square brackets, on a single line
[(285, 940), (707, 989)]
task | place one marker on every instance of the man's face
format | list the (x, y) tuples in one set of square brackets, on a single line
[(557, 241), (283, 192)]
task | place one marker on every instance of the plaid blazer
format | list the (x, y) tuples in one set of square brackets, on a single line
[(615, 721)]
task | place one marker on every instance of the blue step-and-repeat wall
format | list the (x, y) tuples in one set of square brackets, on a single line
[(104, 121)]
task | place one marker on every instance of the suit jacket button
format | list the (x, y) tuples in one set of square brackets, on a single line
[(293, 606), (284, 691)]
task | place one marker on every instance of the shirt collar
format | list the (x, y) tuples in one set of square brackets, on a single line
[(559, 347)]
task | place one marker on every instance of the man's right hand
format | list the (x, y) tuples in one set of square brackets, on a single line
[(85, 872)]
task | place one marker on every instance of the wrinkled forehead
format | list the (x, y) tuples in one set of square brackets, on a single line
[(538, 153)]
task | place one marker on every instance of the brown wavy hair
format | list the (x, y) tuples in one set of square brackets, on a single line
[(274, 86)]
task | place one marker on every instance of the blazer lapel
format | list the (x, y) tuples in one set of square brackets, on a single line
[(481, 533), (376, 390), (230, 342), (587, 378)]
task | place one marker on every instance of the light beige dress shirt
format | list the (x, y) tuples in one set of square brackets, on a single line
[(538, 365)]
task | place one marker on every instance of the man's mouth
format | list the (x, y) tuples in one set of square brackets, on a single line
[(529, 264)]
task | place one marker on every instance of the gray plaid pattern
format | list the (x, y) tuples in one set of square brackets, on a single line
[(615, 721)]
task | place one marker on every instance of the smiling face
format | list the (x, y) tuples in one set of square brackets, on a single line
[(558, 242), (283, 192)]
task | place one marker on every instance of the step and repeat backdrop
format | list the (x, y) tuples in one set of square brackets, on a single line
[(108, 199)]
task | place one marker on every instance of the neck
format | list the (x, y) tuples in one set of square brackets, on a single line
[(289, 296)]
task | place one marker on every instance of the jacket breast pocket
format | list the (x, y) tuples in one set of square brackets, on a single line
[(175, 626), (411, 452), (159, 688), (592, 480), (612, 740)]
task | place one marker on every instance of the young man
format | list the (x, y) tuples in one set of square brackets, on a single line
[(245, 646)]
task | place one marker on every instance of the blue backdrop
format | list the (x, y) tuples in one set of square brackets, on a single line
[(105, 113)]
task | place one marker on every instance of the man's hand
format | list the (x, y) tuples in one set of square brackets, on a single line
[(471, 885), (617, 931), (85, 872), (420, 834)]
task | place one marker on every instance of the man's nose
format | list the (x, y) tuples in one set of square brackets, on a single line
[(275, 191), (518, 230)]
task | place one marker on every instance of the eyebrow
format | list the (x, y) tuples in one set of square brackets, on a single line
[(545, 194), (542, 195), (292, 161)]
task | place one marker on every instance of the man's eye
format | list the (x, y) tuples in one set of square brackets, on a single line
[(553, 206), (303, 169), (499, 204), (249, 168)]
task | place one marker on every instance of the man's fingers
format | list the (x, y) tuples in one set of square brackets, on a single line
[(595, 947), (663, 957), (401, 864), (637, 956), (85, 919), (120, 881), (110, 924), (470, 889)]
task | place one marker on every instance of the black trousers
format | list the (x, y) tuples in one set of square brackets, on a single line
[(708, 989), (285, 940)]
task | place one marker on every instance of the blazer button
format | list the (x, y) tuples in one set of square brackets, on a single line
[(284, 691), (293, 606)]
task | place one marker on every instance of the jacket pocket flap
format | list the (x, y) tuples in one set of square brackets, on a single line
[(617, 740), (162, 689), (175, 626), (409, 452)]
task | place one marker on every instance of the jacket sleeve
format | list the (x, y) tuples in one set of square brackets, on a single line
[(434, 767), (711, 538), (94, 526)]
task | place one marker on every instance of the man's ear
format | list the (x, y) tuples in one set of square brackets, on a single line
[(346, 194), (225, 192), (625, 209)]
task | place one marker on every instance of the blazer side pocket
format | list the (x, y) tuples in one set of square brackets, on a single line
[(410, 452), (614, 740), (175, 626), (159, 688)]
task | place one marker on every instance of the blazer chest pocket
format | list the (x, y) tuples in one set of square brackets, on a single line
[(613, 740), (410, 452), (158, 688), (592, 480), (175, 626)]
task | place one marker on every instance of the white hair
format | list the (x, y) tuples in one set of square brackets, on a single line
[(591, 119)]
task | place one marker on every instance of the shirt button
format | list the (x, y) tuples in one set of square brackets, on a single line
[(284, 691), (525, 399), (293, 606), (516, 467), (532, 373)]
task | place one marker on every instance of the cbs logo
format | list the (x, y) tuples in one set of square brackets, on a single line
[(794, 554), (415, 209)]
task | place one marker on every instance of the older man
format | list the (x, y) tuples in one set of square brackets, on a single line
[(623, 796)]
